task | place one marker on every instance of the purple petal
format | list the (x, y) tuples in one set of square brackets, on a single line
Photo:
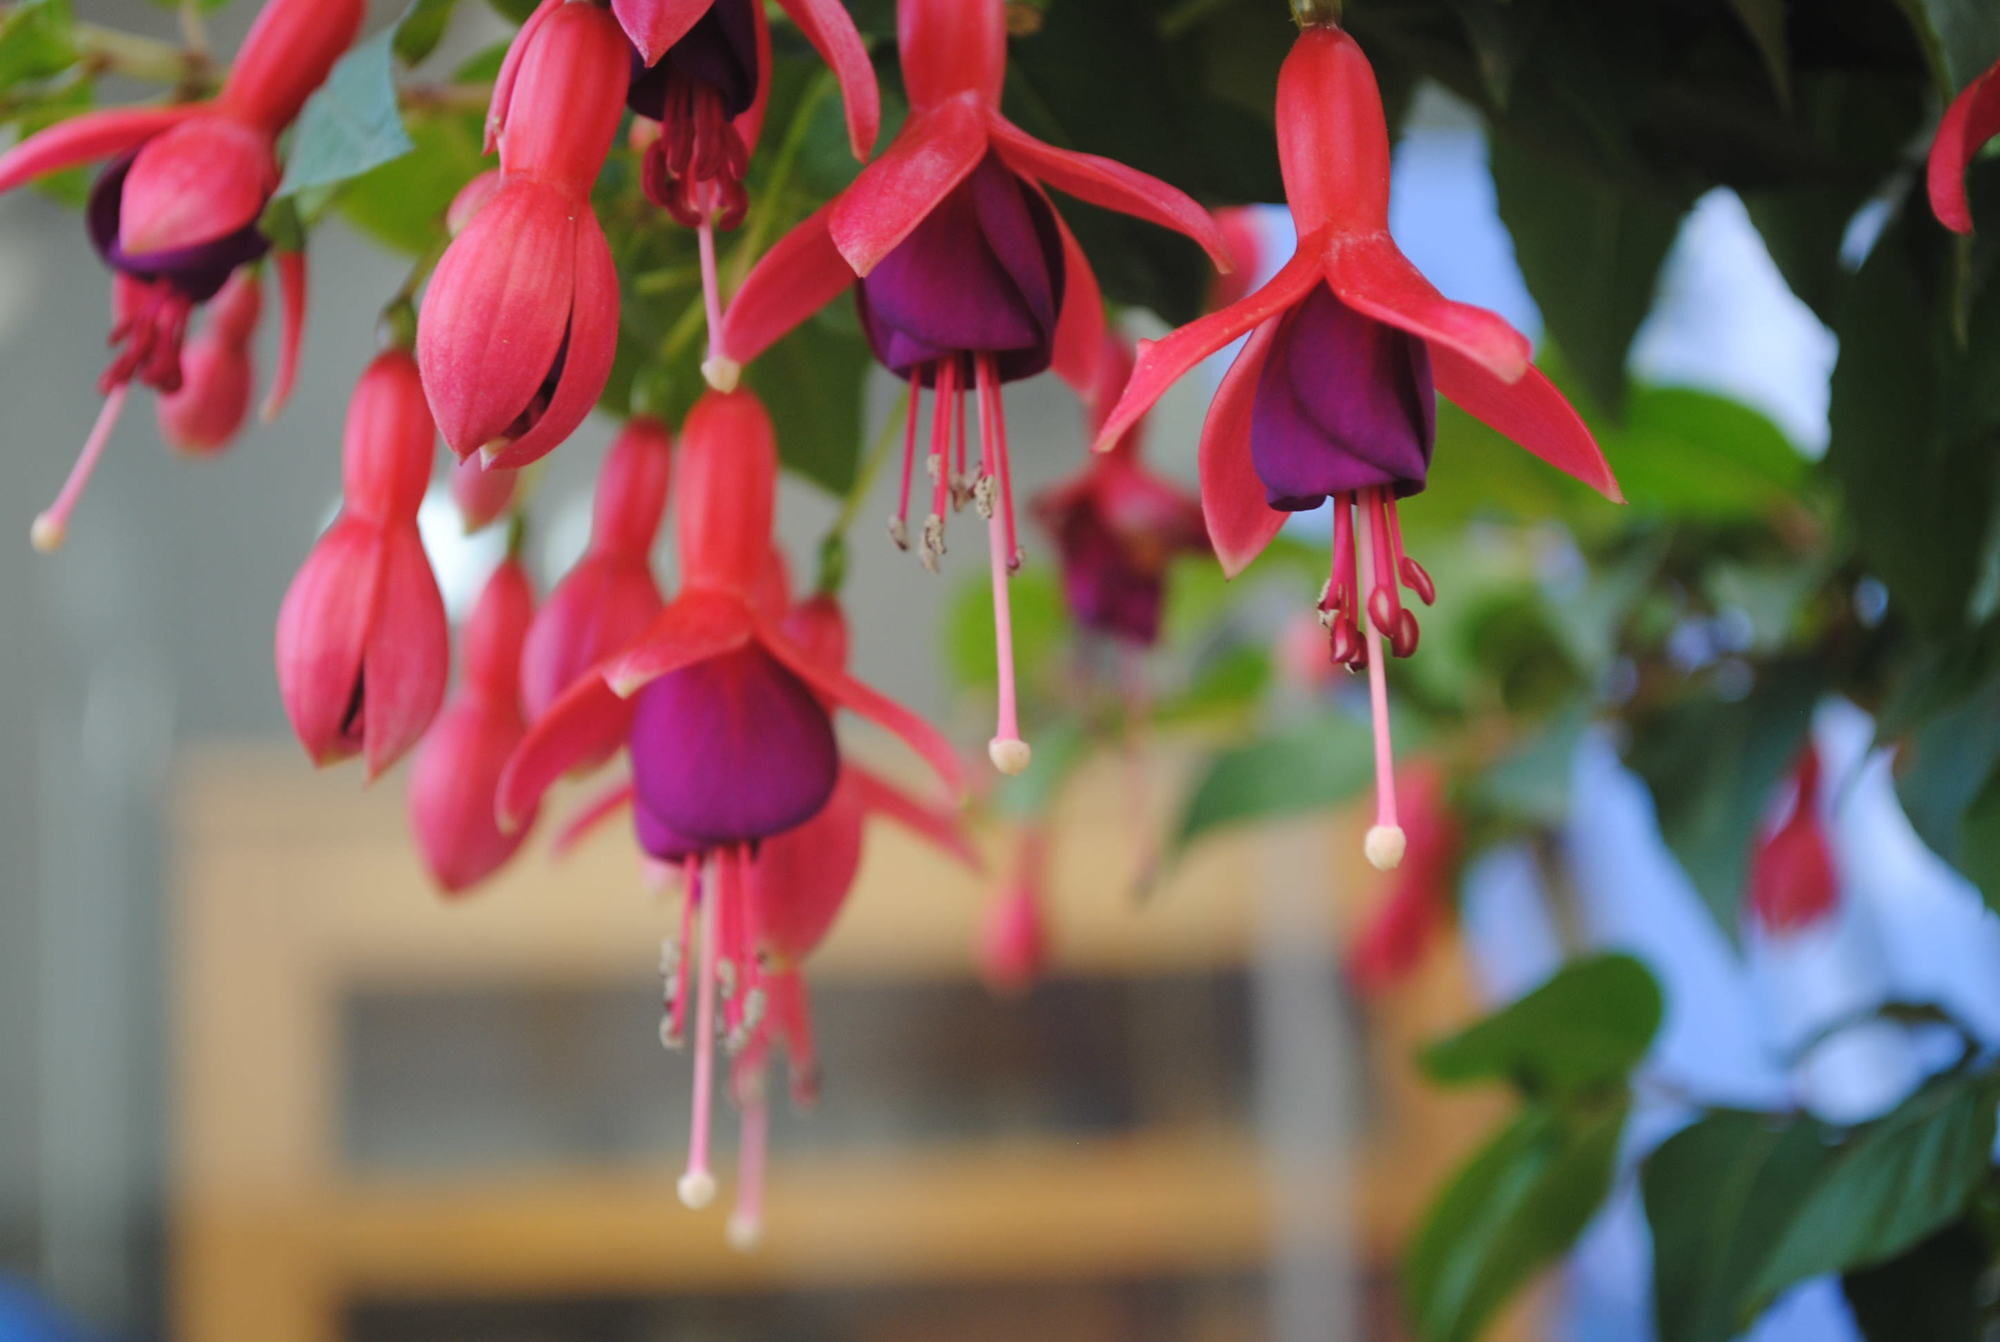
[(661, 840), (1109, 589), (732, 750), (1344, 403), (983, 273), (197, 272)]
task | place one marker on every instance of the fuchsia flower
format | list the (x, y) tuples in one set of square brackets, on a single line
[(457, 768), (965, 277), (1406, 922), (1793, 880), (609, 599), (520, 322), (1013, 948), (1972, 119), (176, 212), (363, 649), (1335, 394), (204, 415), (1117, 526), (482, 496)]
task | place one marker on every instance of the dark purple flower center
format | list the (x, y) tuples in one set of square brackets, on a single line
[(660, 840), (982, 274), (1345, 403), (695, 170), (197, 272), (1111, 584), (719, 53), (732, 750)]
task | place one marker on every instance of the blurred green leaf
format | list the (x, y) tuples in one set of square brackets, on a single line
[(1714, 768), (1765, 22), (1041, 624), (1961, 37), (1315, 766), (353, 123), (421, 29), (514, 11), (1590, 250), (35, 41), (402, 203), (1516, 1207), (1932, 1291), (812, 382), (1581, 1031)]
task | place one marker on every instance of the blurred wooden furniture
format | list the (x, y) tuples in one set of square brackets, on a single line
[(296, 891)]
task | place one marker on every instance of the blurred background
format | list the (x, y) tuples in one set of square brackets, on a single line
[(258, 1082)]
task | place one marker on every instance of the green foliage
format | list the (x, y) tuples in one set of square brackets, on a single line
[(1303, 769), (1744, 1205), (1580, 1032), (1931, 1291), (353, 123)]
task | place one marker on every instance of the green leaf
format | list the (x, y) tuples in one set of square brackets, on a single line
[(514, 11), (812, 381), (1517, 1206), (1931, 1292), (1590, 250), (1743, 1207), (1765, 20), (1041, 621), (1581, 1031), (1310, 768), (352, 124), (1961, 37), (1946, 782), (402, 203), (35, 42), (421, 29), (1713, 768)]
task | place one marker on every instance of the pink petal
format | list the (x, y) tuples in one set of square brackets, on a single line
[(510, 69), (288, 53), (842, 690), (655, 25), (496, 312), (292, 290), (937, 149), (827, 25), (1240, 518), (200, 181), (593, 344), (940, 826), (1112, 185), (408, 660), (322, 631), (1079, 347), (801, 274), (695, 626), (452, 783), (1372, 276), (1972, 119), (1162, 363), (588, 722), (749, 123), (1530, 411), (87, 138)]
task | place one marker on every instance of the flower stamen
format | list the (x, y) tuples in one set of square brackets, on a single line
[(697, 1184), (52, 524)]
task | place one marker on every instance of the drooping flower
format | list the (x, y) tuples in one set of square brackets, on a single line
[(965, 278), (363, 649), (1117, 526), (1794, 882), (176, 212), (206, 412), (1972, 119), (1013, 947), (607, 601), (520, 322), (482, 496), (1334, 396), (1405, 923), (457, 768)]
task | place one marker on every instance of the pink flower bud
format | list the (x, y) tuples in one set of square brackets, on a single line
[(1794, 882), (483, 496), (729, 480), (362, 646), (1013, 948), (457, 770), (204, 416), (610, 598)]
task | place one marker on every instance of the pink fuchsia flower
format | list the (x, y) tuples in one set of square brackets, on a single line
[(363, 650), (609, 599), (176, 212), (1972, 119), (1013, 948), (204, 415), (520, 321), (482, 497), (965, 278), (1117, 526), (457, 768), (1405, 923), (727, 720), (1794, 883), (1335, 394)]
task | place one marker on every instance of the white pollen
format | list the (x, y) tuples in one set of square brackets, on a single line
[(722, 374), (745, 1233), (1385, 845), (1009, 757), (48, 534), (697, 1189)]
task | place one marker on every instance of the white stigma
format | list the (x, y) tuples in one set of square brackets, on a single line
[(1385, 846), (697, 1189), (1009, 757), (48, 534), (722, 374), (745, 1233)]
